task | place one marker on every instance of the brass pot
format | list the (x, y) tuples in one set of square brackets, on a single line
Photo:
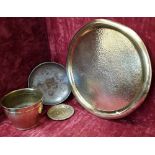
[(23, 107)]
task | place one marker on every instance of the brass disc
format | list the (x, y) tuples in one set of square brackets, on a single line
[(60, 112)]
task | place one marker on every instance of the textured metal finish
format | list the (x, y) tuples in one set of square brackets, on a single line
[(23, 107), (109, 69), (51, 79), (60, 112)]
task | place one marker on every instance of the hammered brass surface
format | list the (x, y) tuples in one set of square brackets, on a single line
[(109, 69)]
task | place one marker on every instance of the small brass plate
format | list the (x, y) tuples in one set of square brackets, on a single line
[(51, 79), (109, 69), (60, 112)]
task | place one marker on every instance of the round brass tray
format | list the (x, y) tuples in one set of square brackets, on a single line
[(109, 69)]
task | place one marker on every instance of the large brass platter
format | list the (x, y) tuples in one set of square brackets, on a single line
[(109, 69)]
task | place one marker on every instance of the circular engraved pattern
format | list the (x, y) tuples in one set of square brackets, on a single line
[(60, 112)]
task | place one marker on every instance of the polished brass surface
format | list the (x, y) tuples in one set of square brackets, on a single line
[(60, 112), (109, 69), (23, 107), (51, 79)]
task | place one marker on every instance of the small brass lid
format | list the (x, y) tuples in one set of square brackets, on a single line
[(60, 112)]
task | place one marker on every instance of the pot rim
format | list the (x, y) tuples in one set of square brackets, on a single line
[(27, 107)]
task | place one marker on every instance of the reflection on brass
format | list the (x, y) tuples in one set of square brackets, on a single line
[(51, 79), (23, 107), (109, 69), (60, 112)]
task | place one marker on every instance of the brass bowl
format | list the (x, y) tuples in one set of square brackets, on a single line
[(51, 79), (23, 107)]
